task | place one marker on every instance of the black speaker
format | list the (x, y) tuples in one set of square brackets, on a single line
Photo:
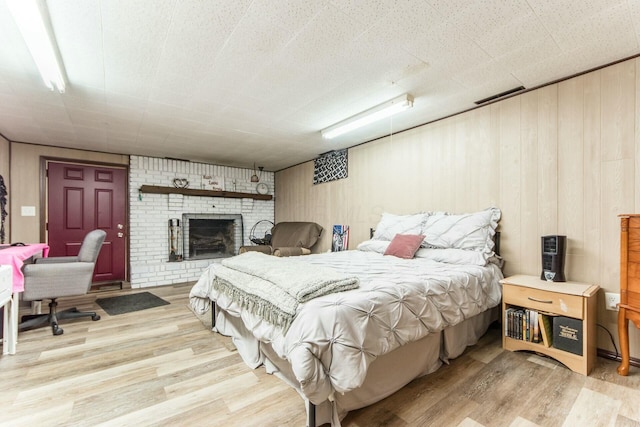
[(553, 250)]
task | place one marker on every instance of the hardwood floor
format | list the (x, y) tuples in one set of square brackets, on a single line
[(164, 367)]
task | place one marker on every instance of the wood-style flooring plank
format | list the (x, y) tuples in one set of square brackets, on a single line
[(593, 408), (149, 415)]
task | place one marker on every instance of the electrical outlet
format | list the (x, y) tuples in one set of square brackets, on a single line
[(611, 299)]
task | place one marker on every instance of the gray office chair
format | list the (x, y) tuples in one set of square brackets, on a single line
[(55, 277)]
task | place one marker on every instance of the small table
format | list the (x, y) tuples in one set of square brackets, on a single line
[(15, 257), (570, 299)]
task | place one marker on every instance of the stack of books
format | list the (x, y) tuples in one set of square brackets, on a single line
[(528, 325)]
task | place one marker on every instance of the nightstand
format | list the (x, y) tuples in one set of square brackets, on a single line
[(572, 301)]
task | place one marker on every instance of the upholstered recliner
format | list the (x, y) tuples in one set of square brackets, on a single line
[(55, 277), (289, 239)]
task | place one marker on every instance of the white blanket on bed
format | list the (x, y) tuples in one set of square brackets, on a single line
[(334, 338), (272, 287)]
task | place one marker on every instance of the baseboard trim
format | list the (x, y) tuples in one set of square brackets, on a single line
[(107, 286), (607, 354)]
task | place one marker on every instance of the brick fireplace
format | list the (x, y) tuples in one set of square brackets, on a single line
[(150, 213)]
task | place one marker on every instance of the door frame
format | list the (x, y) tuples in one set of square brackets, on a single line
[(44, 206)]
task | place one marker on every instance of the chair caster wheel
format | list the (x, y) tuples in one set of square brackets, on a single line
[(95, 317), (57, 331)]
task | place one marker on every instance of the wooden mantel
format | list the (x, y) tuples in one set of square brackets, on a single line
[(206, 193)]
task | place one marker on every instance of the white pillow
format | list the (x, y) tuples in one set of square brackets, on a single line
[(391, 224), (472, 231), (379, 246), (453, 256), (449, 256)]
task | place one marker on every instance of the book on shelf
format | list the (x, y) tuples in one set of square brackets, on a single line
[(513, 323), (546, 329), (507, 322), (510, 322), (520, 313), (536, 327), (567, 334)]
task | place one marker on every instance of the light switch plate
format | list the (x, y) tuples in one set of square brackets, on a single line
[(28, 210)]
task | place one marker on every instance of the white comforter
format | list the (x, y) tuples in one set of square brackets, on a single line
[(334, 338)]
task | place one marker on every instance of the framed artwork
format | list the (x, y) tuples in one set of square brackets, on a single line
[(330, 166), (340, 241)]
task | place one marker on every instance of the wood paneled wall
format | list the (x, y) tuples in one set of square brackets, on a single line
[(4, 157), (557, 160)]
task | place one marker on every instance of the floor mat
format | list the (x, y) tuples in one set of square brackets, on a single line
[(129, 303)]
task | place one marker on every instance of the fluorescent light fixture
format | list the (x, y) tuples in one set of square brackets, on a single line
[(30, 20), (371, 115)]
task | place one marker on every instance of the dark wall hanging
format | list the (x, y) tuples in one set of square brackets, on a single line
[(330, 166)]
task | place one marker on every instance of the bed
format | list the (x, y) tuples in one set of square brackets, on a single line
[(427, 287)]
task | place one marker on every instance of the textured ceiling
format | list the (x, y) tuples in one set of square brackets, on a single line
[(234, 82)]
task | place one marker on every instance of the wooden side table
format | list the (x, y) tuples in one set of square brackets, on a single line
[(570, 299)]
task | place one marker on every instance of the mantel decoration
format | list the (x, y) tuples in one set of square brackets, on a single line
[(262, 188), (180, 183), (330, 166), (210, 182)]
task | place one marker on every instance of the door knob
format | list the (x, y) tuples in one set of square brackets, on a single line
[(120, 234)]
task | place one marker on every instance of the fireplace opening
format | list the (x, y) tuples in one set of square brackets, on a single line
[(211, 236)]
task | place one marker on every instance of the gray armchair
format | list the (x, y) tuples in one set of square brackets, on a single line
[(289, 239), (55, 277)]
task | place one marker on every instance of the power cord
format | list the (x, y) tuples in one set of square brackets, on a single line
[(612, 341)]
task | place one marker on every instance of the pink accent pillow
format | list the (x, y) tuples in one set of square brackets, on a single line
[(404, 245)]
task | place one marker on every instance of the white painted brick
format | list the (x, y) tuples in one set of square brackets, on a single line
[(149, 216)]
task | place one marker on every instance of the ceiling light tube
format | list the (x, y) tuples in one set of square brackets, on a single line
[(374, 114), (30, 20)]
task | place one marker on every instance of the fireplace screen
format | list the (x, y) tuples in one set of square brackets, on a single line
[(211, 235)]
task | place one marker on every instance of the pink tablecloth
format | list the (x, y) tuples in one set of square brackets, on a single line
[(15, 256)]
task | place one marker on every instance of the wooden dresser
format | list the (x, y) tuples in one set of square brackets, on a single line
[(629, 284)]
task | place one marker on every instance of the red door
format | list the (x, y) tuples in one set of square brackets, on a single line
[(82, 198)]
